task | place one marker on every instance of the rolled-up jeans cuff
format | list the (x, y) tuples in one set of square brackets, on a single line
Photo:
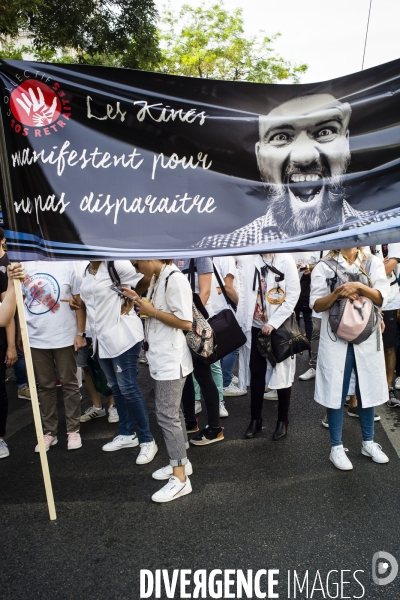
[(179, 463)]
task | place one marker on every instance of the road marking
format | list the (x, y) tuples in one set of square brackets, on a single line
[(390, 419)]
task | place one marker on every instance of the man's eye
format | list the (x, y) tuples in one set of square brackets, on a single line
[(326, 133), (279, 138)]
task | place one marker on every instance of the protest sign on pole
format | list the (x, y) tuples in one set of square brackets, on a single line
[(7, 188), (34, 400)]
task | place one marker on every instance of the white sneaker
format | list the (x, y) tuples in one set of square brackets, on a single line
[(271, 395), (339, 459), (49, 440), (74, 441), (310, 374), (148, 450), (222, 410), (143, 359), (397, 383), (172, 490), (121, 441), (374, 451), (4, 451), (167, 472), (113, 414), (92, 413), (235, 380), (233, 390), (197, 407)]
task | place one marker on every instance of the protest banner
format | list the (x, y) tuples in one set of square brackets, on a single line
[(101, 162)]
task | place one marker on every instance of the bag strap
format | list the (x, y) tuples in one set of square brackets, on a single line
[(192, 276), (223, 290), (334, 265), (274, 270), (166, 280), (257, 275), (113, 273)]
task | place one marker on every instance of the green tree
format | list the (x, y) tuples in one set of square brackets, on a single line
[(14, 16), (211, 43), (117, 32)]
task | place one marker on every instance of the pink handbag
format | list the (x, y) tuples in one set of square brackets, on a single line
[(351, 320), (356, 321)]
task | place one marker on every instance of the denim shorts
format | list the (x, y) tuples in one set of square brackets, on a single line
[(84, 353)]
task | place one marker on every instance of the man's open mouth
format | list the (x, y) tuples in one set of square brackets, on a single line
[(305, 186)]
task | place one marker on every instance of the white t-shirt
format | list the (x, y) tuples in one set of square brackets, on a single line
[(203, 265), (168, 352), (226, 265), (103, 310), (393, 302), (51, 323)]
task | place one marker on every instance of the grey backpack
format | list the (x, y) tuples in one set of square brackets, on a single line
[(351, 320)]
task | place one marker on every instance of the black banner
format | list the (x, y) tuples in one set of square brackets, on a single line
[(111, 163)]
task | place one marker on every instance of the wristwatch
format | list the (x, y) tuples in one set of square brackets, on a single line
[(81, 333)]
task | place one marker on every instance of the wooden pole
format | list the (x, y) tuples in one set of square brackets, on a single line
[(34, 399)]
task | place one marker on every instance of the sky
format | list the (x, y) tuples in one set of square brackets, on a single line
[(328, 36)]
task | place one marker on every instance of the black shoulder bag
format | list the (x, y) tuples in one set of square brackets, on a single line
[(287, 340), (228, 335)]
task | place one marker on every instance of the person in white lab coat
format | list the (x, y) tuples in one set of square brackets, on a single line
[(169, 313), (264, 304), (337, 358)]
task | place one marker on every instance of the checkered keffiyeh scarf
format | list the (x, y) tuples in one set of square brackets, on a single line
[(265, 229)]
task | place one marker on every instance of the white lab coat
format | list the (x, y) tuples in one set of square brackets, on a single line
[(282, 375), (332, 350), (168, 354)]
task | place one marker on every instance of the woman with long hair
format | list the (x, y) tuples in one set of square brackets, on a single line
[(337, 358)]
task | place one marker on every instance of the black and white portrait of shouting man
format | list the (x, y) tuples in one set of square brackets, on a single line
[(302, 155)]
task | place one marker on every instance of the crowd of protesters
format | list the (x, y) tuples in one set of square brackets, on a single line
[(100, 318)]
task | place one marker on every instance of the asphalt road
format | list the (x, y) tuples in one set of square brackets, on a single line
[(256, 504)]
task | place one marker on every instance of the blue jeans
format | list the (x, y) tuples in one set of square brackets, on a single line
[(335, 415), (20, 370), (227, 364), (131, 405)]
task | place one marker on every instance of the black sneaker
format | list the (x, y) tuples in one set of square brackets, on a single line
[(192, 428), (393, 402), (352, 411), (208, 436)]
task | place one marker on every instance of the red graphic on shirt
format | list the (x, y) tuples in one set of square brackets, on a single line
[(38, 295), (34, 103)]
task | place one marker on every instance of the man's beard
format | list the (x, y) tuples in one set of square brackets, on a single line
[(304, 207)]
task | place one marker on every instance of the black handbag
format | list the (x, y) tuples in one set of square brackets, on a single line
[(288, 340), (228, 335), (97, 374)]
